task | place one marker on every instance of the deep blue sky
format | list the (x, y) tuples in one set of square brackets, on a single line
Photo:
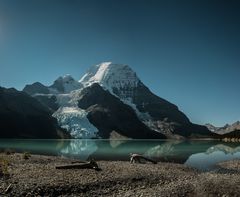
[(187, 52)]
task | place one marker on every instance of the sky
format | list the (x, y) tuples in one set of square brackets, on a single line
[(187, 52)]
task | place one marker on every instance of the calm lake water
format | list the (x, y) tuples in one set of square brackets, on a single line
[(202, 155)]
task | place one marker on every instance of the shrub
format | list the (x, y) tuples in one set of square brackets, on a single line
[(26, 155)]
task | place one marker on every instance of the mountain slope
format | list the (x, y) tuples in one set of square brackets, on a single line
[(109, 114), (22, 116)]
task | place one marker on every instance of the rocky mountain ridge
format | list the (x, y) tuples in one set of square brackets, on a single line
[(62, 85), (225, 129)]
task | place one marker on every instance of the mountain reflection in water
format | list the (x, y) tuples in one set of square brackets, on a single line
[(202, 155)]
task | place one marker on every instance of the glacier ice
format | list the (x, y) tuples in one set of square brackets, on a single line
[(75, 121)]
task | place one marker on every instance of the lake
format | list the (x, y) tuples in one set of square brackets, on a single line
[(202, 155)]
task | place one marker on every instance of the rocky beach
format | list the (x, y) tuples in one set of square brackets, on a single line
[(38, 176)]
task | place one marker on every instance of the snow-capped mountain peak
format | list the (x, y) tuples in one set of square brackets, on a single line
[(110, 76), (66, 78), (123, 88), (227, 128), (65, 84)]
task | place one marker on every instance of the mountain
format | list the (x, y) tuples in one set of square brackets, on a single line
[(47, 94), (62, 85), (22, 116), (228, 128), (36, 88), (61, 100), (65, 85), (111, 99), (156, 113)]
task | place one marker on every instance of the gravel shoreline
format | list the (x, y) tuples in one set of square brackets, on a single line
[(37, 176)]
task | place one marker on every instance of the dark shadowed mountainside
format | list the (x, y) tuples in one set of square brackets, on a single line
[(108, 114), (22, 116)]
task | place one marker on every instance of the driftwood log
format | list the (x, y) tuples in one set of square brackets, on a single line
[(80, 165), (137, 158)]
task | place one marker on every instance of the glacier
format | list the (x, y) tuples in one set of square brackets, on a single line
[(72, 118), (76, 122)]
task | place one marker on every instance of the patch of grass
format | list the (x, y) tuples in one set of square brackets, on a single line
[(4, 163), (26, 155)]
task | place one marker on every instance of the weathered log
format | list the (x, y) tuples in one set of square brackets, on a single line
[(87, 165), (137, 158)]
